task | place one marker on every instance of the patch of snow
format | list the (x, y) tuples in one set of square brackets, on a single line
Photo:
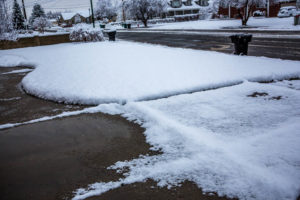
[(70, 15), (253, 24), (11, 99), (64, 114), (11, 60), (18, 71), (223, 140), (119, 72), (293, 84)]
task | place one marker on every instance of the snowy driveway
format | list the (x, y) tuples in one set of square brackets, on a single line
[(240, 141)]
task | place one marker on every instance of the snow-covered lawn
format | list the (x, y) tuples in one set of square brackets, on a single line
[(240, 141), (94, 73), (253, 23)]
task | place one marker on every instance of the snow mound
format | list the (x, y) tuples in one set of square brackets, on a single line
[(10, 60), (120, 72), (227, 141)]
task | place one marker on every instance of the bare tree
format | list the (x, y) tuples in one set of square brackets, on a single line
[(145, 9), (41, 23), (244, 7), (106, 9), (7, 31)]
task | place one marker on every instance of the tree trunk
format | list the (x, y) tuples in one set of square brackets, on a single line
[(145, 22), (244, 22)]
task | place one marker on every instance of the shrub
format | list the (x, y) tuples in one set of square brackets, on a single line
[(40, 23), (86, 34)]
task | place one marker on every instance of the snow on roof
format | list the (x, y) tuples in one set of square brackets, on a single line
[(194, 6), (84, 13), (67, 16), (70, 15)]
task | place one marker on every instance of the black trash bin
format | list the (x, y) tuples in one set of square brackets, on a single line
[(129, 26), (111, 35), (241, 43)]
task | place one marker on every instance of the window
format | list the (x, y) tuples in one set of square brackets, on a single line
[(77, 19), (176, 3), (224, 4), (188, 2), (203, 3)]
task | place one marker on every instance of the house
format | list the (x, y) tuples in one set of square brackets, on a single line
[(185, 9), (70, 18), (270, 9)]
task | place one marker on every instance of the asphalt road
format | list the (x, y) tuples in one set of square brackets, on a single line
[(284, 45)]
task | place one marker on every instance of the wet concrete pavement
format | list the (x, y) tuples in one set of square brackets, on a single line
[(49, 160), (17, 106)]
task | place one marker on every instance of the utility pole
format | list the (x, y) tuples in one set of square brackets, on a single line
[(123, 11), (24, 10), (89, 15), (25, 15), (268, 8), (92, 9), (229, 10)]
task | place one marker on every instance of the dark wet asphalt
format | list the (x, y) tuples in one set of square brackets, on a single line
[(269, 44)]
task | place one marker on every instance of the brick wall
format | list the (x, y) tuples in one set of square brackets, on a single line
[(35, 41)]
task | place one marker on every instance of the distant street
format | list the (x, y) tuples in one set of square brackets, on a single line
[(281, 44)]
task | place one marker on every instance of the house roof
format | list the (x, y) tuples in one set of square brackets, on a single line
[(70, 15), (67, 16)]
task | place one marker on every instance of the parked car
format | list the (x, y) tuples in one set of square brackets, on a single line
[(287, 11), (258, 13)]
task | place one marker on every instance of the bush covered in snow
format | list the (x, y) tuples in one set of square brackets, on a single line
[(86, 34), (40, 23)]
